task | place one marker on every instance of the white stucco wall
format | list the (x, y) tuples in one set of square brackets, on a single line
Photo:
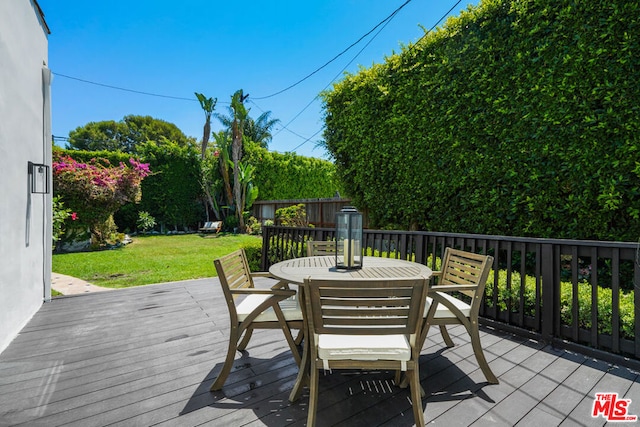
[(25, 219)]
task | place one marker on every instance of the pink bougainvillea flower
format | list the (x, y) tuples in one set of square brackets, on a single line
[(74, 216)]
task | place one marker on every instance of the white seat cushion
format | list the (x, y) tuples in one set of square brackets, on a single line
[(363, 347), (290, 309), (442, 312)]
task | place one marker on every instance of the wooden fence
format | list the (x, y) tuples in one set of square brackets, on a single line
[(580, 295), (320, 212)]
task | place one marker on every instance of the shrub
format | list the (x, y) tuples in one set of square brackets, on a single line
[(145, 221), (509, 299), (96, 190), (253, 225), (254, 254), (59, 218), (293, 216)]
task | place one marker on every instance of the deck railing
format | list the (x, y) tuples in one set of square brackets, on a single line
[(575, 294)]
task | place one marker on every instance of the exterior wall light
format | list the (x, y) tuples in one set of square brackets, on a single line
[(38, 178)]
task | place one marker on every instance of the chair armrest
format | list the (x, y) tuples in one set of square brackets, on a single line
[(256, 291), (452, 288), (262, 274), (266, 274)]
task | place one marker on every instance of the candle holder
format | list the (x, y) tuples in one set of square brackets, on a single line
[(349, 239)]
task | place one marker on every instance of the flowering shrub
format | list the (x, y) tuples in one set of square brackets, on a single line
[(60, 215), (95, 190)]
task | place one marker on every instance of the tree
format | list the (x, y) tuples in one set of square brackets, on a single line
[(223, 144), (98, 136), (126, 134), (259, 130), (240, 114), (207, 105)]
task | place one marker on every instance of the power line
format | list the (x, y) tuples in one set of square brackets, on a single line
[(338, 55), (342, 70), (388, 19), (285, 127), (124, 89), (307, 140), (438, 22)]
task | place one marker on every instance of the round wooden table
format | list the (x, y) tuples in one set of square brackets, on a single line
[(323, 267)]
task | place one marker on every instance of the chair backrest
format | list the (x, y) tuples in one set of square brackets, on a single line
[(321, 247), (234, 273), (465, 268), (365, 307)]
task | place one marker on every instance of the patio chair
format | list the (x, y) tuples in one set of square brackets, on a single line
[(275, 308), (463, 273), (321, 247), (211, 226), (365, 324)]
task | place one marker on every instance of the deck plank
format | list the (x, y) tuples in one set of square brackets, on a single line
[(148, 355)]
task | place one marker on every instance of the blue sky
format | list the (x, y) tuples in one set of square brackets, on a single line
[(213, 47)]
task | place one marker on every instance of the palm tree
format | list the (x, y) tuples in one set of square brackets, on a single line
[(259, 130), (240, 115), (208, 105)]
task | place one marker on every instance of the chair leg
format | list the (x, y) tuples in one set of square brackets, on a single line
[(228, 362), (445, 336), (303, 373), (416, 396), (404, 381), (477, 350), (300, 336), (292, 344), (245, 339), (313, 396)]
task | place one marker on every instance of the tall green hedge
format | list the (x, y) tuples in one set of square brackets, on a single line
[(519, 117), (289, 176), (173, 193)]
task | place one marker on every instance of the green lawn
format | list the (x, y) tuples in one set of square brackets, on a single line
[(152, 259)]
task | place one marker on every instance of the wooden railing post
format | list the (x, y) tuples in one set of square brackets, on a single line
[(548, 291), (266, 237)]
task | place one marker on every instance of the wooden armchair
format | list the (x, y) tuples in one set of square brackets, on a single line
[(365, 324), (467, 273), (321, 247), (273, 308)]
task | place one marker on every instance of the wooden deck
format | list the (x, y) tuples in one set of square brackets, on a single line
[(147, 356)]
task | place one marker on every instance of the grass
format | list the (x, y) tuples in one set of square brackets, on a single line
[(152, 259)]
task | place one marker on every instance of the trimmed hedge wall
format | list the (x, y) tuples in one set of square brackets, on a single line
[(289, 176), (519, 117)]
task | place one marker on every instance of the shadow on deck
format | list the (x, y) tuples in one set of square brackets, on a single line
[(147, 356)]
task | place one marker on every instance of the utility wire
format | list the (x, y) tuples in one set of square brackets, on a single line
[(124, 89), (306, 140), (340, 72), (337, 56), (436, 24), (388, 19)]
